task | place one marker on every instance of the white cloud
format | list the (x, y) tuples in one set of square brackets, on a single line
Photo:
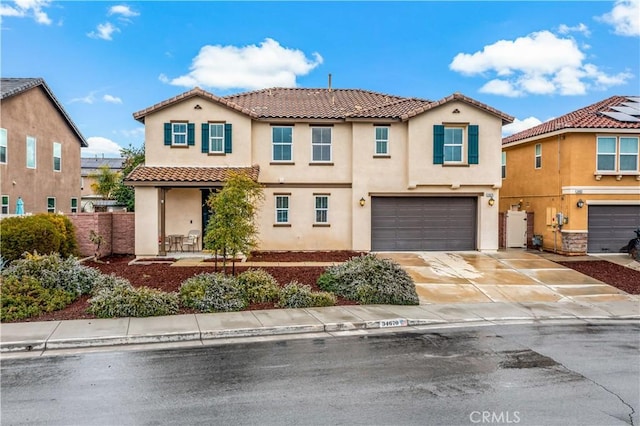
[(519, 125), (27, 8), (580, 28), (247, 67), (104, 31), (101, 146), (624, 17), (122, 10), (540, 63), (137, 133), (112, 99), (89, 99)]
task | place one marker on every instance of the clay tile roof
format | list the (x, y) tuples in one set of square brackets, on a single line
[(605, 114), (460, 97), (188, 175), (14, 86)]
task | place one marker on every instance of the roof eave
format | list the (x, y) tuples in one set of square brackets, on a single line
[(569, 130)]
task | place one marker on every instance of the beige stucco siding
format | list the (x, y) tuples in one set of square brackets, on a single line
[(147, 221), (157, 154), (32, 113)]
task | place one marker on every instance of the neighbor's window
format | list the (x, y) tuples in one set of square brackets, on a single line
[(538, 156), (3, 146), (628, 154), (57, 157), (382, 140), (74, 205), (453, 144), (5, 204), (51, 205), (282, 142), (504, 165), (321, 144), (322, 209), (179, 133), (216, 137), (282, 209), (31, 152), (606, 153)]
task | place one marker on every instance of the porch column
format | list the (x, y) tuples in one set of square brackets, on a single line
[(163, 197)]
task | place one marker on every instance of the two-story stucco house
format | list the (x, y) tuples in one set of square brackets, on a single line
[(342, 169), (579, 175), (39, 149)]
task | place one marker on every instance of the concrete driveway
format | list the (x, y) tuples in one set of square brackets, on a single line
[(503, 276)]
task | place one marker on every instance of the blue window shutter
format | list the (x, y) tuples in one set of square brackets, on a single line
[(205, 138), (167, 133), (227, 138), (438, 144), (473, 145), (191, 134)]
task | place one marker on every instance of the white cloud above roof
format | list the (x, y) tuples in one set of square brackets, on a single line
[(112, 99), (580, 28), (27, 8), (540, 63), (104, 31), (624, 17), (519, 125), (248, 67), (99, 145), (122, 10)]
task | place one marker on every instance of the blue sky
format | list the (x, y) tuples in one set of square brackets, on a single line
[(532, 60)]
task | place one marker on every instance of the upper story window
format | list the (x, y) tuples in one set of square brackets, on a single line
[(51, 205), (3, 146), (282, 143), (216, 137), (5, 204), (504, 165), (382, 140), (57, 157), (321, 144), (179, 133), (538, 156), (617, 154), (282, 209), (455, 144), (31, 152)]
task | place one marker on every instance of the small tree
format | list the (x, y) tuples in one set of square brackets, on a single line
[(106, 182), (232, 229), (126, 194)]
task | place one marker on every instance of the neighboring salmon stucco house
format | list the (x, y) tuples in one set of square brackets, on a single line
[(342, 169), (579, 175)]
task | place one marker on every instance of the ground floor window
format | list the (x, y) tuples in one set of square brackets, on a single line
[(51, 205), (5, 204), (282, 209), (321, 209)]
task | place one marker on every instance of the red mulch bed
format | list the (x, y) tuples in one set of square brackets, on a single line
[(618, 276), (168, 278)]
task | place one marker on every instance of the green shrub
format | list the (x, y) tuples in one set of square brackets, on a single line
[(212, 292), (24, 297), (108, 282), (296, 295), (370, 280), (54, 272), (258, 286), (43, 233), (123, 300)]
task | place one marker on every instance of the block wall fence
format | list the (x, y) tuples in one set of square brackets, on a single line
[(117, 229)]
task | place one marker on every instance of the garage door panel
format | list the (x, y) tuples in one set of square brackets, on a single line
[(423, 223), (611, 227)]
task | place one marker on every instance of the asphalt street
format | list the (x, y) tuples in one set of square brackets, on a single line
[(569, 373)]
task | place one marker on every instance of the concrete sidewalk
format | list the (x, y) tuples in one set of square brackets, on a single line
[(206, 328)]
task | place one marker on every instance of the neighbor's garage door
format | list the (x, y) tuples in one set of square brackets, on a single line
[(611, 227), (423, 223)]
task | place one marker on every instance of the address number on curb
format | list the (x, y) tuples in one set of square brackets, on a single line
[(400, 322)]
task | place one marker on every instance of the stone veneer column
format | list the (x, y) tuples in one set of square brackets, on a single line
[(574, 243)]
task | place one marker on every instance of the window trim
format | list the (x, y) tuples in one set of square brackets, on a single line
[(384, 141), (285, 210), (274, 144), (51, 209), (635, 154), (537, 151), (4, 137), (462, 145), (317, 209), (330, 144), (216, 138), (503, 165), (5, 206), (174, 133), (59, 157), (74, 209), (35, 151)]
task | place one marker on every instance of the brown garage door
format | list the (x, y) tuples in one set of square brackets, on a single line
[(423, 223), (611, 227)]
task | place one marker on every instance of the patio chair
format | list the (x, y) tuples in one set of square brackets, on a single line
[(190, 242)]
